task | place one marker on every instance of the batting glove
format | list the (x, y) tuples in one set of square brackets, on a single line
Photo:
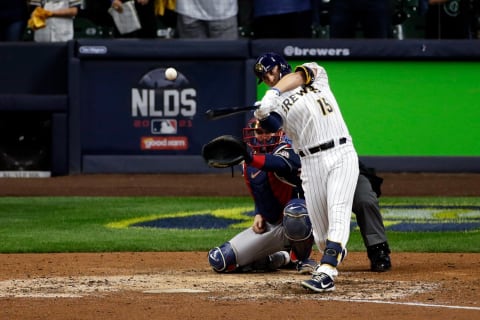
[(269, 101)]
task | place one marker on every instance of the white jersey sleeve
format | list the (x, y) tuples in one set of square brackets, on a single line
[(310, 113)]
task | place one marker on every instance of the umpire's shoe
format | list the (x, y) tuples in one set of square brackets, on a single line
[(379, 257), (320, 281)]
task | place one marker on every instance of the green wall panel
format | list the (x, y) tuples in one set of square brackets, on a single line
[(408, 108)]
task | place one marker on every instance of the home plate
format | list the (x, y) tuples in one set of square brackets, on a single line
[(179, 290)]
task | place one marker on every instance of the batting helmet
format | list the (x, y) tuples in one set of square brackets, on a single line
[(296, 222), (267, 61)]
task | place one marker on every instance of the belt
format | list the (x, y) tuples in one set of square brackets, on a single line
[(322, 147)]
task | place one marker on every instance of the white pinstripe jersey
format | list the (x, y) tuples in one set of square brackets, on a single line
[(310, 114), (65, 3)]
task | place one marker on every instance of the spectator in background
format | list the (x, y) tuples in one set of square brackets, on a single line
[(167, 18), (373, 16), (282, 19), (207, 19), (146, 14), (13, 19), (57, 17), (450, 19)]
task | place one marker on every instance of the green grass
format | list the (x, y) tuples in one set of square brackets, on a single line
[(99, 224)]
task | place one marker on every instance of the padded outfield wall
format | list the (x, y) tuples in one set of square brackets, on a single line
[(410, 105)]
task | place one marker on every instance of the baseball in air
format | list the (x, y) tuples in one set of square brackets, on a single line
[(171, 74)]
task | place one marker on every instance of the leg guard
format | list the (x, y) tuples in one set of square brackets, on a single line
[(296, 222), (302, 249), (333, 254), (222, 259), (298, 229), (269, 263)]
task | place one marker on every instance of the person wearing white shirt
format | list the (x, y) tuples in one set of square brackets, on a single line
[(207, 19)]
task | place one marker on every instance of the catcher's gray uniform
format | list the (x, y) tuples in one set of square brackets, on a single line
[(273, 181)]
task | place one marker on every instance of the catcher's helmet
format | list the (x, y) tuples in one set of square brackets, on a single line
[(258, 139), (267, 61)]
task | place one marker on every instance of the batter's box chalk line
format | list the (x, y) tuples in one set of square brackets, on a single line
[(277, 285)]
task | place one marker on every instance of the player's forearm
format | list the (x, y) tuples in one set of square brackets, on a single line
[(65, 13), (290, 81), (275, 164)]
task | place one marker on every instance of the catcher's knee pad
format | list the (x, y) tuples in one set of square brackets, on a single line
[(296, 222), (333, 253), (222, 259)]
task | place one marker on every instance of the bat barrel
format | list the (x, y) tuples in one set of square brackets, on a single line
[(213, 114)]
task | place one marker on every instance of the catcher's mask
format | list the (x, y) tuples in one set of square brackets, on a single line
[(258, 139), (267, 61)]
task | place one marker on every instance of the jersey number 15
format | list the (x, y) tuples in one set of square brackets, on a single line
[(325, 106)]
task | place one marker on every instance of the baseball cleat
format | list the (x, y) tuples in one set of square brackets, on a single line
[(306, 266), (278, 259), (379, 257), (320, 282), (381, 263)]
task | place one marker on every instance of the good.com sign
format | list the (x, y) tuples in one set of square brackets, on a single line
[(164, 143)]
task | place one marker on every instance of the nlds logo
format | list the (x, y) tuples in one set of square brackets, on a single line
[(159, 97), (165, 108)]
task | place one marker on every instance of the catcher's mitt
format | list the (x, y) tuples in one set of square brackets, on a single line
[(224, 151)]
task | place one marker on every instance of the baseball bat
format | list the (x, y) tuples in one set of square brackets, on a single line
[(214, 114)]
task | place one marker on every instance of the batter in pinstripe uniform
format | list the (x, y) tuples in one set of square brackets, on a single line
[(304, 106)]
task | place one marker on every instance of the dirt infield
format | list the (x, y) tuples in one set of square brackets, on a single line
[(180, 285)]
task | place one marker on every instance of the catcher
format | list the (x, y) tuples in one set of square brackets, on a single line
[(281, 233)]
